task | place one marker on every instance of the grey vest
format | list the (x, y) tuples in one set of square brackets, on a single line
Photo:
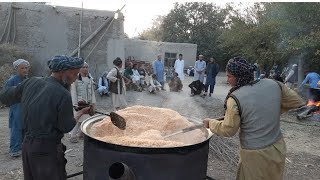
[(259, 107), (84, 92)]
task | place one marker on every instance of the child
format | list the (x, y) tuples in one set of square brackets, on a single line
[(175, 83), (154, 84)]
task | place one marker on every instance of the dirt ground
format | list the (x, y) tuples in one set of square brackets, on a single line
[(303, 140)]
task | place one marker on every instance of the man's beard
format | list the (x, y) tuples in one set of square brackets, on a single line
[(65, 83)]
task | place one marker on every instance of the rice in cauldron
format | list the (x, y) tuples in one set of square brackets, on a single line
[(145, 127)]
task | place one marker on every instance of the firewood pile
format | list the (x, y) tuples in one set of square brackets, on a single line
[(225, 149), (306, 111)]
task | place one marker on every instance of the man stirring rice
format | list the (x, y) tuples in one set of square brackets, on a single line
[(47, 113), (255, 107)]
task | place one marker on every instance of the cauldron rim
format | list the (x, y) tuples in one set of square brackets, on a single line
[(91, 120)]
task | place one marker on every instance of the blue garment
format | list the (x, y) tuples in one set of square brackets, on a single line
[(313, 79), (16, 139), (257, 73), (158, 69), (103, 86), (15, 118), (212, 71)]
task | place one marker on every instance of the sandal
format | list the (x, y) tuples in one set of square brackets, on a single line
[(15, 154)]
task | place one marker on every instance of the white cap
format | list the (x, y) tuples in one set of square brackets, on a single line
[(20, 61)]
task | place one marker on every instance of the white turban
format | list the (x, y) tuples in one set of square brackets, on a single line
[(85, 63), (20, 61)]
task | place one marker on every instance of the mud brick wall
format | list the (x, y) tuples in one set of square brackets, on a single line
[(148, 50), (44, 31)]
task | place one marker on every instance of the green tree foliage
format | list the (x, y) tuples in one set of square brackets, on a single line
[(155, 32), (267, 33), (198, 23), (248, 37), (278, 33), (300, 29)]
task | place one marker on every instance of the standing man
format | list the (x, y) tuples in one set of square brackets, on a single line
[(82, 90), (15, 120), (256, 71), (199, 68), (47, 113), (263, 150), (292, 76), (212, 71), (285, 71), (158, 70), (179, 66), (117, 85)]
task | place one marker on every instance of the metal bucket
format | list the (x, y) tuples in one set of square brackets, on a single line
[(104, 160)]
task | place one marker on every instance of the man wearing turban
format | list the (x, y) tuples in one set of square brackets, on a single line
[(21, 67), (199, 67), (47, 113), (254, 107), (117, 85)]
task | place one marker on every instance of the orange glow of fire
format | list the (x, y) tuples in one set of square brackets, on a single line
[(312, 103)]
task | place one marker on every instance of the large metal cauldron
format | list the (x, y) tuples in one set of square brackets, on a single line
[(109, 161)]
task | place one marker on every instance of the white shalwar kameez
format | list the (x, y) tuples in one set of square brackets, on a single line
[(179, 66)]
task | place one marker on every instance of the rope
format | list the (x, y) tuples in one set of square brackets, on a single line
[(9, 27), (118, 11), (14, 26), (7, 23)]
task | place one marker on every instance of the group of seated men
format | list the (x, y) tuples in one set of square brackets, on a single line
[(139, 78), (135, 76)]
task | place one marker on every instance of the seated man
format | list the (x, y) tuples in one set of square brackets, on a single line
[(197, 88), (175, 83), (154, 85), (142, 72), (134, 79), (103, 85)]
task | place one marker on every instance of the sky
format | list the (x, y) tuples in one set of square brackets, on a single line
[(139, 14)]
